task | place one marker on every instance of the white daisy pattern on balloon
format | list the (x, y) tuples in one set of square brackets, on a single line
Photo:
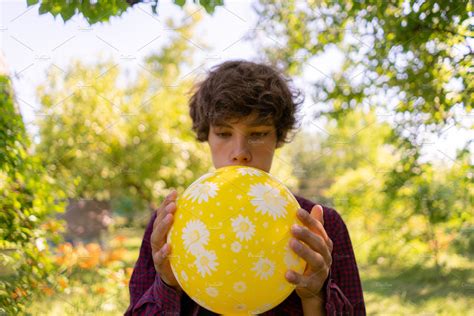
[(184, 276), (206, 262), (240, 286), (212, 291), (202, 191), (291, 259), (243, 227), (268, 200), (236, 246), (264, 268), (195, 236), (249, 171)]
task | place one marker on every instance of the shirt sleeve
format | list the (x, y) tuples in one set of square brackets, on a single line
[(343, 287), (149, 295)]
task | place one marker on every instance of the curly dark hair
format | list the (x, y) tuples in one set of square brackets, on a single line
[(235, 89)]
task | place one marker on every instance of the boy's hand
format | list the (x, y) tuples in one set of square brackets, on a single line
[(160, 249), (316, 251)]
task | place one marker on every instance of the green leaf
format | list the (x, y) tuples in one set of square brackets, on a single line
[(28, 196), (45, 7), (31, 2), (68, 12), (180, 2), (210, 5)]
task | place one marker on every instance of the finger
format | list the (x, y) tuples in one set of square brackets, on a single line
[(314, 241), (162, 210), (168, 199), (317, 213), (313, 224), (294, 277), (158, 235), (161, 256), (170, 208), (310, 283), (162, 223), (314, 260)]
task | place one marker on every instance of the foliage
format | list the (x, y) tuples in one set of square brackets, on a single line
[(103, 10), (346, 167), (91, 279), (415, 49), (410, 61), (340, 149), (103, 289), (127, 144), (343, 166), (28, 200)]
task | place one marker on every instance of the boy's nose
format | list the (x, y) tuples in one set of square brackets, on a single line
[(241, 153)]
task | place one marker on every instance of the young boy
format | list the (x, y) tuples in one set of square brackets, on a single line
[(245, 111)]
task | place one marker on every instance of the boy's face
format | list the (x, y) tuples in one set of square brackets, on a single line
[(245, 142)]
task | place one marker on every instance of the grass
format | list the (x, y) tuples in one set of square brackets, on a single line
[(420, 290), (416, 290)]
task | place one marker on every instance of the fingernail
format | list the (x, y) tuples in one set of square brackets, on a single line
[(294, 243), (290, 276), (297, 229), (165, 250), (171, 194), (302, 212)]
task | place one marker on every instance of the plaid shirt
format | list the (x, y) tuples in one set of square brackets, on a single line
[(343, 290)]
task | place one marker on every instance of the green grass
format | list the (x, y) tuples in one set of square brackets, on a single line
[(419, 290), (83, 301), (416, 290)]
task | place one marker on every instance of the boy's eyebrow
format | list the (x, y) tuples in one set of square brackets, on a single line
[(251, 124)]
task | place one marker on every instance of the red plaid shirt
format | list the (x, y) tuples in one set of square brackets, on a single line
[(343, 290)]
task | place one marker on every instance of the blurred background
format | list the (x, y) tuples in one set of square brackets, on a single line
[(95, 132)]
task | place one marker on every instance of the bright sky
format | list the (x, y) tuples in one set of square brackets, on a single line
[(31, 43)]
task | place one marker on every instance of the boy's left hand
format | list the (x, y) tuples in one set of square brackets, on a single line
[(311, 243)]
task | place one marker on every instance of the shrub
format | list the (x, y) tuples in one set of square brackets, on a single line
[(28, 200)]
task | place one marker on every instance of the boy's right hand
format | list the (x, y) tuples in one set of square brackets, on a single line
[(160, 249)]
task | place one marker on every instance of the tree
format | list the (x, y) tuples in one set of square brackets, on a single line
[(414, 49), (29, 198), (357, 141), (107, 142), (343, 166), (409, 59), (346, 167), (102, 10)]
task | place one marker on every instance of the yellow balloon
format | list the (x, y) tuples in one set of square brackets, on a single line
[(230, 241)]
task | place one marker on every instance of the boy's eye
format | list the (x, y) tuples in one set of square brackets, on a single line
[(259, 134), (223, 135), (253, 135)]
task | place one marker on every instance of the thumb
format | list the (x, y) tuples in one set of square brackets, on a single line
[(318, 213)]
